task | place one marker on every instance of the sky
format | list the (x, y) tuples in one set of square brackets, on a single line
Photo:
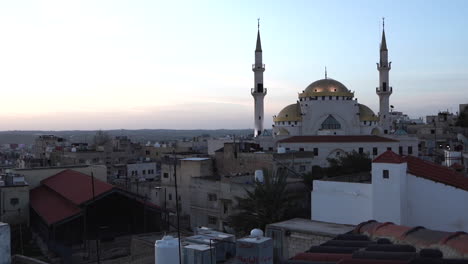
[(91, 65)]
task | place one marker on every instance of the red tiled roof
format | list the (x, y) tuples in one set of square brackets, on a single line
[(426, 169), (76, 186), (457, 166), (389, 157), (436, 172), (370, 261), (336, 139), (51, 206), (451, 244)]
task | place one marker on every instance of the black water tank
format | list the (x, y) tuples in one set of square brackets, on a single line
[(329, 249), (391, 248), (347, 243), (385, 255), (352, 237), (431, 253)]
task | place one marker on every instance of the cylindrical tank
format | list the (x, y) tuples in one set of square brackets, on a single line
[(166, 251), (259, 176), (281, 150)]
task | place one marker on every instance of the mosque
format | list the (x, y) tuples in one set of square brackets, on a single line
[(326, 106)]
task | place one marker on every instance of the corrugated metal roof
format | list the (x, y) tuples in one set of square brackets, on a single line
[(51, 206), (76, 186)]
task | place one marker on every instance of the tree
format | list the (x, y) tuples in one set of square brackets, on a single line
[(267, 203), (351, 162)]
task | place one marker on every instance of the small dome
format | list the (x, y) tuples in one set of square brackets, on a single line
[(291, 112), (326, 87), (366, 114)]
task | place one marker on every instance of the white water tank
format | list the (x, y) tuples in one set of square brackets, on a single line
[(281, 150), (256, 233), (166, 251), (259, 176)]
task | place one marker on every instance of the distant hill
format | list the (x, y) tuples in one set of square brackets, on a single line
[(140, 135)]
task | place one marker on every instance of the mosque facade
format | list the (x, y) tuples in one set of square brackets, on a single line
[(326, 106)]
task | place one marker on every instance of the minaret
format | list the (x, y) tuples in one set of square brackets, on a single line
[(384, 90), (258, 92)]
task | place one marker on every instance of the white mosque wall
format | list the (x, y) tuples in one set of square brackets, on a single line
[(341, 202)]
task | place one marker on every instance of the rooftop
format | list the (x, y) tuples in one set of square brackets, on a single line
[(310, 226), (336, 139)]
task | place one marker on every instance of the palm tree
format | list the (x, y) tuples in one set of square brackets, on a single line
[(269, 202)]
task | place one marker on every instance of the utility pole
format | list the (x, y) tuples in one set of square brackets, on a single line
[(177, 205)]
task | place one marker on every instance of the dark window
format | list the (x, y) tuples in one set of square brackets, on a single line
[(384, 86), (165, 175), (337, 98), (385, 131), (259, 117), (14, 201), (323, 97), (361, 150), (410, 150), (170, 197), (432, 131), (330, 97), (212, 220), (365, 122), (212, 197), (260, 87), (301, 149), (315, 151), (225, 207), (331, 123), (147, 152), (400, 150), (385, 174), (389, 148), (144, 172)]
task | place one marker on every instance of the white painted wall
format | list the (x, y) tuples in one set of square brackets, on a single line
[(389, 195), (5, 246), (341, 202), (436, 205), (145, 170)]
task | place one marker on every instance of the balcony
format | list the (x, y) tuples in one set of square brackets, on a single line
[(390, 90), (258, 67), (254, 91)]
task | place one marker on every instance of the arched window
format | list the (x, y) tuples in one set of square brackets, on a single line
[(331, 123)]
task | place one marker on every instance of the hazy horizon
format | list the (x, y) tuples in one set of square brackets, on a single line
[(93, 65)]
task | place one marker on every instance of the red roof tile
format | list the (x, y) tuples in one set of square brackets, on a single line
[(457, 166), (51, 206), (436, 172), (389, 157), (336, 139), (451, 244), (76, 186)]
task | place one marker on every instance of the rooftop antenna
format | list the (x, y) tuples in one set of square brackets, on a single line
[(258, 23), (326, 72), (383, 23)]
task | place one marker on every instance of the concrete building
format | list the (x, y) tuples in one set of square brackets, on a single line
[(14, 199), (404, 190), (142, 170), (324, 147)]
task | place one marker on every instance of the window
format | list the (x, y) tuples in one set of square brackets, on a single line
[(212, 220), (374, 151), (400, 150), (147, 152), (323, 97), (14, 201), (170, 197), (337, 153), (389, 148), (330, 97), (259, 117), (225, 208), (301, 149), (384, 86), (410, 150), (385, 174), (365, 122), (385, 131), (331, 123), (212, 197), (361, 150), (315, 151), (432, 131), (165, 175), (144, 172)]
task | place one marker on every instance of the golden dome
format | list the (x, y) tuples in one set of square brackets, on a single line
[(326, 87), (366, 114), (291, 112)]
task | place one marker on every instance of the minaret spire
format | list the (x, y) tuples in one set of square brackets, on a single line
[(259, 43), (325, 72), (384, 90), (383, 43), (258, 92)]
